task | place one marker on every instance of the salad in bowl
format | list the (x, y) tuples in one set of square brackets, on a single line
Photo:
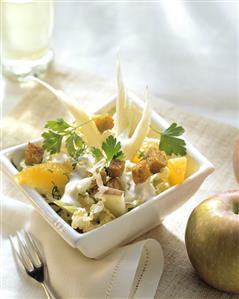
[(99, 167)]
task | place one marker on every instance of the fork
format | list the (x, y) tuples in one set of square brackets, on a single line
[(30, 258)]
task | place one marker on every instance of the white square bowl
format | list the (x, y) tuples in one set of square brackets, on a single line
[(134, 223)]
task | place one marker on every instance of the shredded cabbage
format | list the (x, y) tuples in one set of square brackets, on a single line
[(88, 220)]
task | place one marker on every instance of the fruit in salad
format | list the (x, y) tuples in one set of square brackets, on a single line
[(45, 176), (177, 168)]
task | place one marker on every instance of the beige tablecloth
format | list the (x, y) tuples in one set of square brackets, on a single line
[(213, 139)]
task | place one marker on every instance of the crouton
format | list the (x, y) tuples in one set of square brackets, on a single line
[(156, 159), (116, 168), (33, 154), (104, 122), (141, 172)]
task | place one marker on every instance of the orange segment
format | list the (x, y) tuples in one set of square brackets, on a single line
[(177, 168), (136, 159), (44, 176)]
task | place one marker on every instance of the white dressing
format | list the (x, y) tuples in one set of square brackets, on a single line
[(60, 158), (75, 186), (145, 190)]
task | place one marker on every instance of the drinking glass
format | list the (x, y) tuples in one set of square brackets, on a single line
[(26, 29)]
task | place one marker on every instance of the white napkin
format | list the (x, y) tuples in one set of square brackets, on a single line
[(131, 271)]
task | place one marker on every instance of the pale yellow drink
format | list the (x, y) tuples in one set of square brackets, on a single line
[(26, 27)]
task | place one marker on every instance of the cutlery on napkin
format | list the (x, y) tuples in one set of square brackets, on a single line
[(132, 271)]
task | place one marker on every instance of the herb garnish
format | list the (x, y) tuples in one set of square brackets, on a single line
[(96, 152), (55, 192), (110, 149), (170, 143), (58, 129), (75, 145)]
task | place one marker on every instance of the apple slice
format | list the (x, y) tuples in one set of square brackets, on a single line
[(113, 200)]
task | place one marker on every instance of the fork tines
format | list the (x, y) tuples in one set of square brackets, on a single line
[(28, 254)]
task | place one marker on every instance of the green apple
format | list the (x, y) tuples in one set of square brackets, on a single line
[(212, 241)]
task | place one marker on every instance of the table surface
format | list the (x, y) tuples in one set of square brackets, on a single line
[(186, 52)]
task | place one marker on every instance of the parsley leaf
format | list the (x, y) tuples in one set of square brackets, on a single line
[(112, 149), (170, 143), (75, 145), (52, 142), (59, 129), (174, 130), (58, 125), (97, 153)]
